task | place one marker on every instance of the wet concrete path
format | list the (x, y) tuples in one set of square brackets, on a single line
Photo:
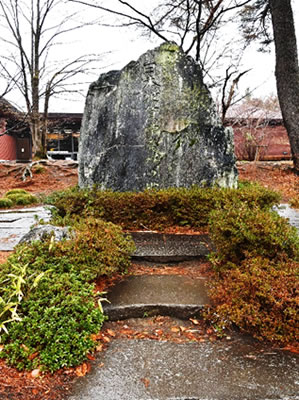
[(239, 369), (292, 214)]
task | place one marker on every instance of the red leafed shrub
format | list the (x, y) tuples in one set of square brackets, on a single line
[(259, 296)]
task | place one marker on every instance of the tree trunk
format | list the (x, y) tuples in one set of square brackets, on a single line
[(287, 70)]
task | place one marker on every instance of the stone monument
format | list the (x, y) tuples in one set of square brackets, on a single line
[(154, 125)]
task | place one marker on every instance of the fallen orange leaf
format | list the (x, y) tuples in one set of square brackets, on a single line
[(293, 349), (82, 369), (145, 381), (99, 347), (110, 332), (33, 356)]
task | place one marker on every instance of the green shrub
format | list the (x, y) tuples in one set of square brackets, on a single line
[(58, 320), (5, 202), (237, 232), (38, 169), (99, 248), (47, 305), (157, 209), (256, 273), (22, 199), (19, 197), (15, 191), (260, 297)]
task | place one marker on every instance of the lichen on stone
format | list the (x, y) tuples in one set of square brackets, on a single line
[(154, 124)]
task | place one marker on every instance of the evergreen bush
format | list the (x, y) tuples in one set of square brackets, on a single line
[(48, 306)]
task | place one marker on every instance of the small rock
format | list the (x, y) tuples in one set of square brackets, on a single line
[(43, 231), (35, 373)]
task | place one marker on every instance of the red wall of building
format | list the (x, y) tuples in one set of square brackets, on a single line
[(271, 142), (8, 146)]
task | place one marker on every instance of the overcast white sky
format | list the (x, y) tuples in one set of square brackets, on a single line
[(125, 45)]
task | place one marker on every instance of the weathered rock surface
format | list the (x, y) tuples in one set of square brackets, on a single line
[(154, 124), (43, 231)]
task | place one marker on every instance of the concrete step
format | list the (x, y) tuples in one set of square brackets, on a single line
[(165, 247), (148, 295)]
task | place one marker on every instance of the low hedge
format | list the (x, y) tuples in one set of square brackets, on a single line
[(237, 232), (48, 305), (157, 209), (260, 297)]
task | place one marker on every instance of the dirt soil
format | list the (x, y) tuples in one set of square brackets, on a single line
[(278, 176), (59, 175), (51, 176)]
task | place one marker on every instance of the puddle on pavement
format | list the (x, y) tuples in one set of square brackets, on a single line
[(292, 214)]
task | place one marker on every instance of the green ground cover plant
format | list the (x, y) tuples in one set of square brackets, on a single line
[(17, 197), (48, 307)]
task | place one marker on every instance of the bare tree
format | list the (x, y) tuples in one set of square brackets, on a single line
[(190, 23), (33, 29), (196, 26)]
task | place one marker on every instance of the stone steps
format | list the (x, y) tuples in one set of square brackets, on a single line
[(165, 247), (148, 295)]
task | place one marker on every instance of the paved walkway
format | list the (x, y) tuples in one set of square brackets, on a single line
[(15, 223), (145, 369), (292, 214)]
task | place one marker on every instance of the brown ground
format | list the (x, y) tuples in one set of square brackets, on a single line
[(16, 385), (55, 175), (278, 176)]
